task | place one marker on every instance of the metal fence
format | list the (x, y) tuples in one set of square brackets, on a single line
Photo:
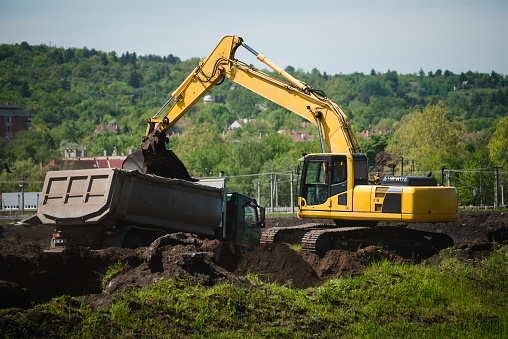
[(277, 191), (480, 187), (476, 188)]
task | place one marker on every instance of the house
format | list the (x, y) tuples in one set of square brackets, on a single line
[(297, 136), (13, 120), (74, 160), (103, 128), (239, 123), (368, 134)]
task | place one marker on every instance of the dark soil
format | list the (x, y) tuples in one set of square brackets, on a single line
[(166, 164), (160, 161), (29, 275)]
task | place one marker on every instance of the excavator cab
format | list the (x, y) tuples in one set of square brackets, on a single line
[(328, 181)]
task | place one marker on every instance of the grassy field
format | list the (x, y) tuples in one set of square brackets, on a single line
[(452, 298)]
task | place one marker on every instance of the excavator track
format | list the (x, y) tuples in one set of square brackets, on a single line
[(406, 242), (289, 235), (320, 238)]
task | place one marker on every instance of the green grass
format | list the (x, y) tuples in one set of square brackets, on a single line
[(111, 271), (456, 298), (295, 247), (286, 215)]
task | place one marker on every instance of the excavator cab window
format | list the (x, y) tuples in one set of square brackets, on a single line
[(339, 182), (339, 170), (315, 189)]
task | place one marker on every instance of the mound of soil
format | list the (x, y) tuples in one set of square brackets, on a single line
[(340, 263), (271, 262), (484, 226), (28, 274)]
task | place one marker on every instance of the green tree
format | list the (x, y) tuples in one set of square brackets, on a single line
[(201, 147), (391, 79), (23, 169), (28, 145), (498, 145), (25, 89), (431, 137), (373, 145), (134, 79)]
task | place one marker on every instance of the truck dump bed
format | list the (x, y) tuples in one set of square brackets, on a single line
[(107, 196)]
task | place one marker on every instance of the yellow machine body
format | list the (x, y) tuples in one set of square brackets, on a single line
[(334, 186)]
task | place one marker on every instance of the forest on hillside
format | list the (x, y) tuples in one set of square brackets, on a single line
[(432, 118)]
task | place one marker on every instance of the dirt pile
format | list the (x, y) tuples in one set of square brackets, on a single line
[(165, 163), (27, 274), (272, 262), (471, 226), (340, 263)]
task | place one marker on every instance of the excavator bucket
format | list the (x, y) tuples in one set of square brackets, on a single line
[(135, 161), (154, 158)]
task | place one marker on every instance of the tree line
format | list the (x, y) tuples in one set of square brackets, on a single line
[(433, 118)]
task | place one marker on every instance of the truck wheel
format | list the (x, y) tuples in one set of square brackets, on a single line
[(132, 241)]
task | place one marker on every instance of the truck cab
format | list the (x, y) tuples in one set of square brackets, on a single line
[(244, 219)]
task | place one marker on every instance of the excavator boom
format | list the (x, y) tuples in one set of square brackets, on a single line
[(291, 94)]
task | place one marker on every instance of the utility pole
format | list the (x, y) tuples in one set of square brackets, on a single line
[(271, 192), (496, 187), (502, 193), (23, 196), (276, 183), (481, 189), (292, 198), (259, 194), (448, 178)]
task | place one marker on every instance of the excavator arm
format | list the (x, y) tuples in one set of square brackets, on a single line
[(289, 93)]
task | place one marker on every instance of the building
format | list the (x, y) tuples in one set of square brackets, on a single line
[(367, 134), (13, 120), (208, 100), (103, 128), (11, 202), (239, 123), (78, 160), (297, 136)]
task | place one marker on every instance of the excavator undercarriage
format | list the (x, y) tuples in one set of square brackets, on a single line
[(321, 238)]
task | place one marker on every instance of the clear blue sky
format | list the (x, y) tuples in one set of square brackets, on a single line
[(333, 36)]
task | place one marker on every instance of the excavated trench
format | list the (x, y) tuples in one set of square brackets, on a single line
[(29, 275)]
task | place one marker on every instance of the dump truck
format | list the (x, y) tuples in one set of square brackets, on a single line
[(113, 207)]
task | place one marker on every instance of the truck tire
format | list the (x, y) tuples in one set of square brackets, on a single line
[(132, 241)]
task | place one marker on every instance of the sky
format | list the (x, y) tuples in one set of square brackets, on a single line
[(333, 36)]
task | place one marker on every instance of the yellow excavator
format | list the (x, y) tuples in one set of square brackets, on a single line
[(334, 185)]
